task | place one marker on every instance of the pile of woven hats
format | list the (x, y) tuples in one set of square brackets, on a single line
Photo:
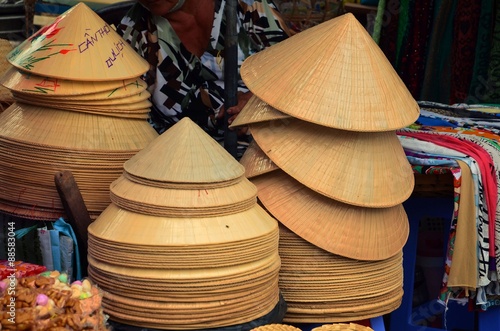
[(329, 167), (80, 105), (6, 98), (184, 244)]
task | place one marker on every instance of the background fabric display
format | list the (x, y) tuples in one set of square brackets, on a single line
[(444, 50), (421, 141)]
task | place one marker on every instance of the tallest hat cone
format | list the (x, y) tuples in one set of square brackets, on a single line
[(79, 45), (333, 75)]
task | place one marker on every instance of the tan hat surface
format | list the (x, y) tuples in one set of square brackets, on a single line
[(28, 83), (5, 95), (322, 287), (122, 226), (89, 100), (276, 327), (350, 231), (178, 202), (194, 157), (334, 75), (78, 45), (357, 168), (256, 161), (256, 111), (42, 126), (342, 326)]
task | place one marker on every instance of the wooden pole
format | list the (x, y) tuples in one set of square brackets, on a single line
[(230, 73), (78, 215)]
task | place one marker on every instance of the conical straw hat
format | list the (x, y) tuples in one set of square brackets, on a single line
[(193, 157), (25, 82), (357, 168), (178, 202), (335, 289), (120, 225), (129, 103), (89, 99), (354, 232), (332, 74), (57, 129), (78, 45), (256, 111), (194, 317), (5, 95), (256, 161)]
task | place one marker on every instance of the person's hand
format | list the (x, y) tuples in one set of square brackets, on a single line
[(233, 111)]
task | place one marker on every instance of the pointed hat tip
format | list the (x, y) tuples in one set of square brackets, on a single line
[(78, 45), (191, 156)]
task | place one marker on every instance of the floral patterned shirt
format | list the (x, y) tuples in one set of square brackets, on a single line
[(183, 84)]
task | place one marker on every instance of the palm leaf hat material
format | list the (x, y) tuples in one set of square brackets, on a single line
[(78, 45), (334, 75)]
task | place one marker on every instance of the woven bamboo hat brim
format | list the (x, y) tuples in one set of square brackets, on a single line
[(308, 285), (256, 111), (127, 89), (224, 254), (5, 48), (332, 312), (5, 95), (256, 161), (137, 110), (214, 309), (78, 45), (37, 142), (193, 317), (346, 230), (41, 126), (247, 251), (276, 327), (141, 114), (342, 326), (193, 157), (110, 111), (109, 103), (31, 180), (347, 166), (178, 202), (189, 280), (100, 106), (211, 293), (28, 83), (325, 287), (170, 293), (193, 280), (334, 75), (17, 209), (119, 225)]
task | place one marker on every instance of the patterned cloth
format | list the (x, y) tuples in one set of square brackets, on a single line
[(183, 84), (477, 158)]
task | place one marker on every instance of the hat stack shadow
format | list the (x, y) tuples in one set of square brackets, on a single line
[(79, 105), (329, 167), (184, 244)]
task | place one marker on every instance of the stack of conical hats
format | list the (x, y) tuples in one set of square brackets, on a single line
[(184, 244), (80, 105), (329, 167), (6, 98)]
